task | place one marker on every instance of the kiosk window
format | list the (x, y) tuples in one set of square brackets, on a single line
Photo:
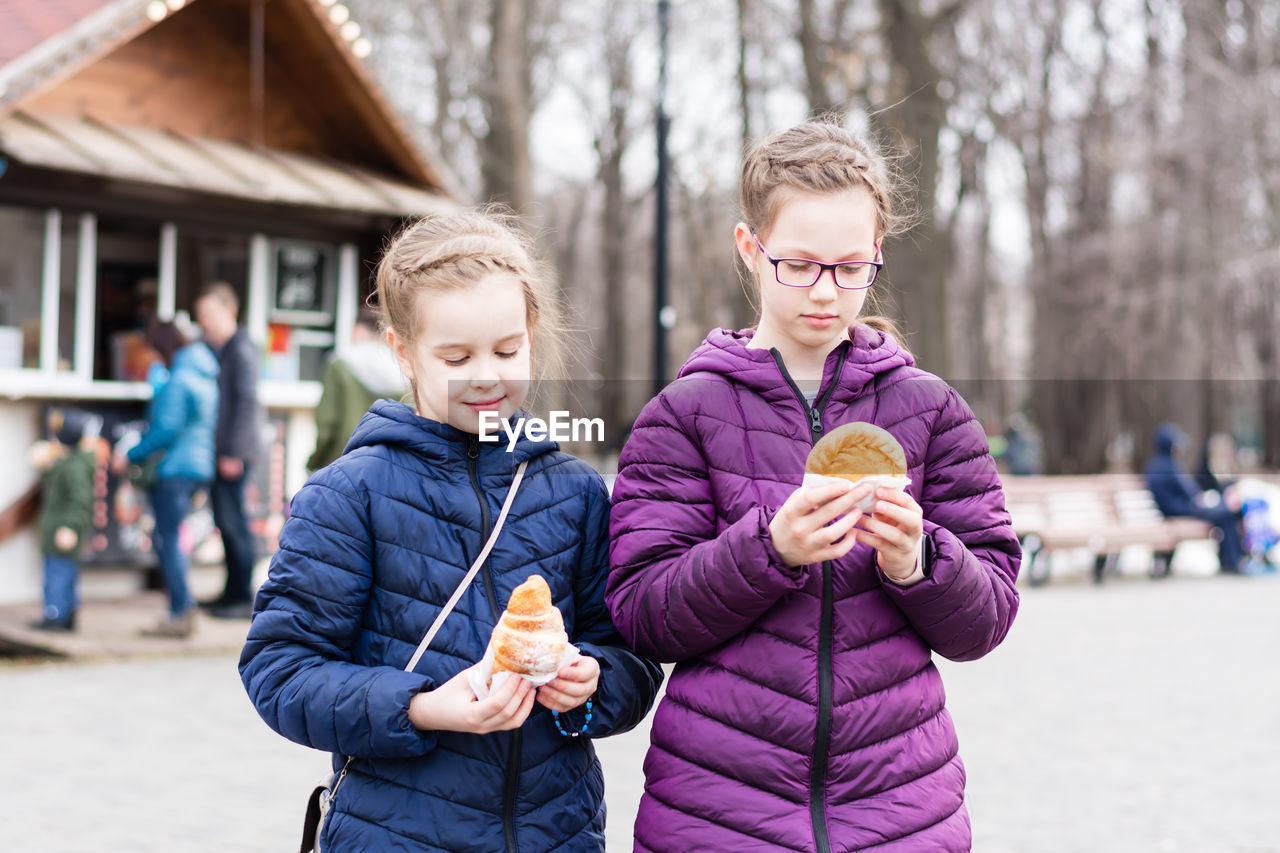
[(29, 239), (21, 276), (128, 290)]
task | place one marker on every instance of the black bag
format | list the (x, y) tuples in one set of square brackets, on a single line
[(311, 823), (318, 808)]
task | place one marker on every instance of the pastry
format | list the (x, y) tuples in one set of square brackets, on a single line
[(857, 450), (530, 638)]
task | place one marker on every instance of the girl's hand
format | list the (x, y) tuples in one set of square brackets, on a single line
[(809, 527), (893, 528), (452, 707), (573, 685)]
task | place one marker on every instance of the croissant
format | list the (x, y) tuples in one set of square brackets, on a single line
[(857, 450), (530, 638)]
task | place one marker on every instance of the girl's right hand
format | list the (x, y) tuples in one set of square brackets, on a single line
[(453, 707), (812, 525)]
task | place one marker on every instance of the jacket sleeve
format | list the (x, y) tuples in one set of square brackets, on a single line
[(1171, 487), (297, 661), (169, 413), (966, 605), (677, 588), (628, 682), (238, 429), (69, 501)]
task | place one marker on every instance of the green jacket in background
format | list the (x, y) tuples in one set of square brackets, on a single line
[(67, 500), (367, 372)]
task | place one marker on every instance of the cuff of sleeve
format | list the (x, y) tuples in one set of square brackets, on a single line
[(765, 538), (411, 685), (923, 558)]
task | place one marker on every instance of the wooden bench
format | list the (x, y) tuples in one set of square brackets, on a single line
[(1102, 513)]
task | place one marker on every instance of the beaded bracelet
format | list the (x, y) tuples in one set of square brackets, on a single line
[(555, 718)]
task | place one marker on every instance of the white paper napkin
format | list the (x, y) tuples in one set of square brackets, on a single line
[(876, 482)]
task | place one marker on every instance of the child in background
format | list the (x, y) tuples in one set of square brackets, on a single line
[(805, 711), (66, 510), (379, 539)]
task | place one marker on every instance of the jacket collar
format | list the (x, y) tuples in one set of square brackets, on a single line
[(394, 423), (866, 354)]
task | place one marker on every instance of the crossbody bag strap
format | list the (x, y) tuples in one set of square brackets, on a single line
[(475, 568)]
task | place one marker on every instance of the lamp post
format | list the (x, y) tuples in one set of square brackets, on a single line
[(663, 314)]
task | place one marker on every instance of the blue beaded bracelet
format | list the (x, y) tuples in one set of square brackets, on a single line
[(555, 717)]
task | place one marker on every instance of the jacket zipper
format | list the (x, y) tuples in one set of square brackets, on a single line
[(511, 775), (826, 630)]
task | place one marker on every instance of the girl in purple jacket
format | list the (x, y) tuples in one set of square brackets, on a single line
[(805, 711)]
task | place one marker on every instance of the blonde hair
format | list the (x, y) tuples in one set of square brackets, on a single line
[(822, 156), (454, 251)]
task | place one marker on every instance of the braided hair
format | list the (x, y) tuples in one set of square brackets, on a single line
[(454, 251)]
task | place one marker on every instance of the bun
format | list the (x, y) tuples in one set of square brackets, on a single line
[(530, 638), (857, 450)]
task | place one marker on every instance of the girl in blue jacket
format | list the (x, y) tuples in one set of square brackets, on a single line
[(379, 540)]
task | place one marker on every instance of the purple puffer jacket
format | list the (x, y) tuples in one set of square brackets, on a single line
[(805, 712)]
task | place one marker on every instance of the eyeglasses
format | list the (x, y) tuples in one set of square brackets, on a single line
[(803, 272)]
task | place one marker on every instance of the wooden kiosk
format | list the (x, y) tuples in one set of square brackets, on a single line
[(148, 147)]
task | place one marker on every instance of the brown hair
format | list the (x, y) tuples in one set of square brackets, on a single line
[(456, 250), (166, 338), (822, 156)]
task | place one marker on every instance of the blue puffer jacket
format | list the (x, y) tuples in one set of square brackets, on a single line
[(181, 417), (375, 545)]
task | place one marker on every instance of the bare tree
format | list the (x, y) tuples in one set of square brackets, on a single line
[(507, 93)]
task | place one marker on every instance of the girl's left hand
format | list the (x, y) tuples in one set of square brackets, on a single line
[(894, 528), (573, 685)]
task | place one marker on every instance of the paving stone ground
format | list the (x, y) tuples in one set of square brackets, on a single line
[(1136, 717)]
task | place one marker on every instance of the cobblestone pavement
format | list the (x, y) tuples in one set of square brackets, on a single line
[(1139, 716)]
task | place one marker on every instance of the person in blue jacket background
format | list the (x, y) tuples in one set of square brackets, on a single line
[(1178, 495), (181, 417), (379, 540)]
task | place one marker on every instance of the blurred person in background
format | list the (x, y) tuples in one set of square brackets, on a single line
[(179, 440), (1178, 495), (367, 371), (238, 430), (66, 510)]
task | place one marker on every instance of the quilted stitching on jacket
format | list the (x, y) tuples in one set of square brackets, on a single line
[(375, 545), (696, 580)]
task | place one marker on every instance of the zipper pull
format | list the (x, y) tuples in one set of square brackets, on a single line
[(815, 422), (473, 447)]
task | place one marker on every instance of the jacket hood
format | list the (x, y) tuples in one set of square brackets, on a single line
[(393, 423), (868, 352), (373, 366), (1167, 436), (198, 358)]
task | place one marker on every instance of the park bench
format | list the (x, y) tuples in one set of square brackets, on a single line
[(1102, 513)]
